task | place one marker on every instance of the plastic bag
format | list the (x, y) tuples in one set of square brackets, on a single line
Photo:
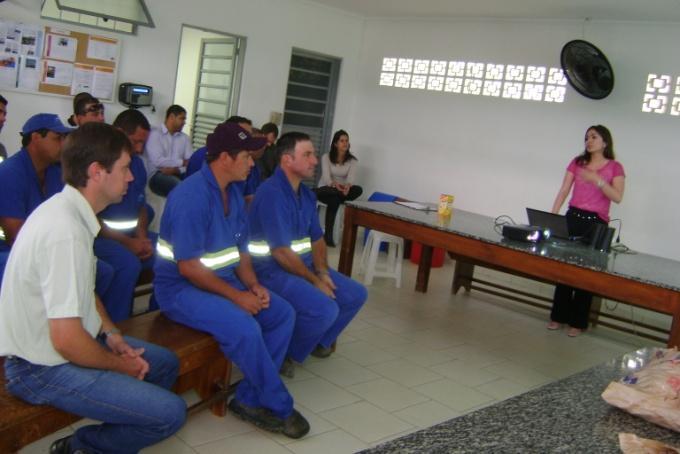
[(653, 392), (632, 444)]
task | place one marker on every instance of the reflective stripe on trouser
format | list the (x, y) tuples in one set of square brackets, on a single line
[(2, 235), (318, 318), (257, 344), (121, 225), (212, 260), (261, 248)]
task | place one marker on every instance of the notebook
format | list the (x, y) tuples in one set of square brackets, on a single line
[(555, 222)]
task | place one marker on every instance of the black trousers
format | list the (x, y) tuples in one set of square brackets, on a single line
[(333, 198), (572, 305)]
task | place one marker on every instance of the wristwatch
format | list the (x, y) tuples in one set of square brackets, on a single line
[(105, 334)]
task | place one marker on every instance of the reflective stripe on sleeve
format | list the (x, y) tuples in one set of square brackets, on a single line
[(121, 225), (261, 248), (212, 260)]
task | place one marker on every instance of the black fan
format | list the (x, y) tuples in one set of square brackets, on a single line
[(587, 69)]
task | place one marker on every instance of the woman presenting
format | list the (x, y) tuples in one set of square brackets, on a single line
[(597, 180), (338, 170)]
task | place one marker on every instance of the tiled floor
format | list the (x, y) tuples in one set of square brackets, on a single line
[(408, 361)]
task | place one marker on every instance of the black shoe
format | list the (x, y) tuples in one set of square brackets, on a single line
[(329, 242), (259, 416), (288, 368), (322, 352), (61, 446), (295, 426)]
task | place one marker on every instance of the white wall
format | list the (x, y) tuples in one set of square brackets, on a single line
[(498, 156), (272, 28)]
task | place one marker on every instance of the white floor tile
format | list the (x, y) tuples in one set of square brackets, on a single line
[(502, 389), (341, 371), (405, 372), (419, 354), (248, 443), (43, 445), (380, 337), (172, 445), (318, 394), (317, 426), (364, 353), (366, 422), (388, 395), (519, 373), (455, 395), (205, 427), (465, 373), (334, 442), (426, 414)]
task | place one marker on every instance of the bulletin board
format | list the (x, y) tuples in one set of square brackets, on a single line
[(57, 61)]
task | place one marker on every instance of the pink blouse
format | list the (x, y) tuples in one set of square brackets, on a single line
[(587, 196)]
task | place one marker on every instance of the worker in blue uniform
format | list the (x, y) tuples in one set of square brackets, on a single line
[(31, 176), (204, 279), (126, 223), (289, 253)]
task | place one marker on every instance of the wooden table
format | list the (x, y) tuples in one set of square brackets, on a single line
[(641, 279)]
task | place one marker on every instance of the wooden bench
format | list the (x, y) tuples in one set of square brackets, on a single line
[(203, 368)]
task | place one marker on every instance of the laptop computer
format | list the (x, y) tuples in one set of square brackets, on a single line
[(555, 222)]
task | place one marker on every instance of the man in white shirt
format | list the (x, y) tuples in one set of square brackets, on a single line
[(62, 349), (167, 152)]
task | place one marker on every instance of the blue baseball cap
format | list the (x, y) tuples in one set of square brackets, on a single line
[(51, 122)]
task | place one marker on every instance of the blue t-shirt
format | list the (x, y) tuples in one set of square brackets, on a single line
[(135, 198), (193, 226), (20, 191), (281, 218), (196, 161)]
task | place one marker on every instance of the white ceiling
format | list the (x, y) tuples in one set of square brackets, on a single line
[(619, 10)]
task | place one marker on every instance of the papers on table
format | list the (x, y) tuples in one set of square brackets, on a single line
[(415, 205)]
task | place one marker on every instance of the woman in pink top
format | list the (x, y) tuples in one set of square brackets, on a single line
[(597, 180)]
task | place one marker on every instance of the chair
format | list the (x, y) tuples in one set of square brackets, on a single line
[(369, 257)]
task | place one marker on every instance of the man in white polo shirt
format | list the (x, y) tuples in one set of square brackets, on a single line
[(62, 349)]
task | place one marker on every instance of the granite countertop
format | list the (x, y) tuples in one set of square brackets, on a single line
[(567, 416), (645, 268)]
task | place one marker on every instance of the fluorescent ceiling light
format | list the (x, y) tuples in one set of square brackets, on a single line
[(132, 11)]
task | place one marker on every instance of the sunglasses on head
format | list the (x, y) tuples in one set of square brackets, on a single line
[(94, 108)]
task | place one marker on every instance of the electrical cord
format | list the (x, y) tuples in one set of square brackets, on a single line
[(500, 221), (619, 247)]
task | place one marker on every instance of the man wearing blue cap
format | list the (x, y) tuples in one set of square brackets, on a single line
[(204, 279), (31, 176)]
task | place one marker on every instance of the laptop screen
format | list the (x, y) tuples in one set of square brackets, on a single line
[(555, 222)]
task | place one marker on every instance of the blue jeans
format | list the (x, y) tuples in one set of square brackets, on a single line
[(161, 184), (135, 413)]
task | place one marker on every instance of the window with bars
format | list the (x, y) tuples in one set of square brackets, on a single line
[(310, 98)]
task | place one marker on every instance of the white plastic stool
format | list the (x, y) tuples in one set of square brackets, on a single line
[(369, 257)]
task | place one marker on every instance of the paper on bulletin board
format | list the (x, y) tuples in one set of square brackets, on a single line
[(61, 47), (29, 73), (9, 37), (57, 73), (9, 65), (31, 40), (83, 78), (100, 48), (102, 86)]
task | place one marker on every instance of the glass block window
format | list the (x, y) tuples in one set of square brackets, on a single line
[(662, 95), (509, 81)]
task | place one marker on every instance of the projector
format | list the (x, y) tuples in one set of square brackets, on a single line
[(526, 233)]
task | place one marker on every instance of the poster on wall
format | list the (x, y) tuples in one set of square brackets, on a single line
[(100, 48), (57, 73), (61, 47), (8, 70), (103, 83), (29, 73)]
